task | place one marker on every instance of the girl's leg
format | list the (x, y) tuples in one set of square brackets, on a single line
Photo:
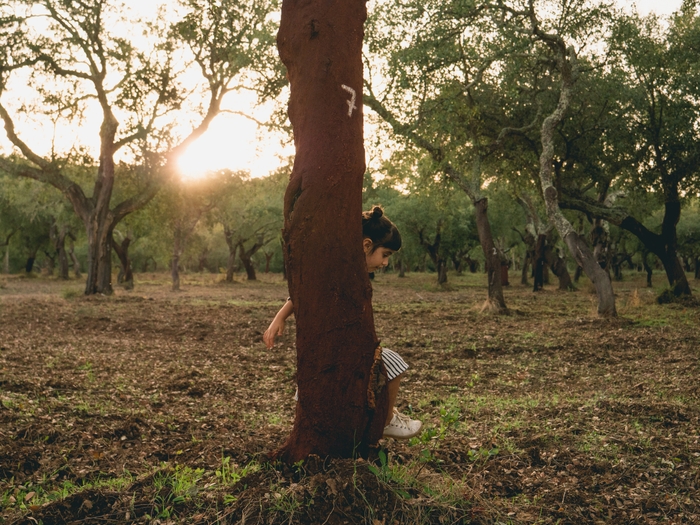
[(393, 388)]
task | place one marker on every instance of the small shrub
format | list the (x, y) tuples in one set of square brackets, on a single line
[(69, 293)]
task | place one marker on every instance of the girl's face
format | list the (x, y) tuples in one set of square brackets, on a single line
[(376, 259)]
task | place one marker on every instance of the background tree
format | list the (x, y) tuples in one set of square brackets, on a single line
[(250, 213), (657, 71), (77, 57)]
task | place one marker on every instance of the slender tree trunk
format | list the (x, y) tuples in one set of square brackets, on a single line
[(540, 261), (58, 239), (74, 258), (342, 396), (126, 275), (99, 264), (232, 247), (50, 264), (493, 260), (6, 264), (442, 271), (524, 269), (268, 258), (248, 265), (580, 251), (29, 266), (175, 263)]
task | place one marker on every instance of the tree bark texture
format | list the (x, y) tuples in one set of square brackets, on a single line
[(342, 395), (580, 251), (491, 256)]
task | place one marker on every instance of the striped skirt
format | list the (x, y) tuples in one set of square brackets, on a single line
[(394, 363)]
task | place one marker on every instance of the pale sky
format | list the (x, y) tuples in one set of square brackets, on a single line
[(236, 142)]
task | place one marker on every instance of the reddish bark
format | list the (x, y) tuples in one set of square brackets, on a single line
[(342, 399)]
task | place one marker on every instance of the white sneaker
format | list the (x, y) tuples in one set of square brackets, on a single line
[(402, 427)]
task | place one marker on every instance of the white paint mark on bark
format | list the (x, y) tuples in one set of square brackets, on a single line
[(351, 102)]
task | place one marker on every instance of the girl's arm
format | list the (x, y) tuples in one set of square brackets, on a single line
[(277, 325)]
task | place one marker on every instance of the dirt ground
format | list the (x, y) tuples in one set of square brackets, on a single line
[(157, 407)]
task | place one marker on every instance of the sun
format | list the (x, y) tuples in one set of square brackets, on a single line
[(231, 142)]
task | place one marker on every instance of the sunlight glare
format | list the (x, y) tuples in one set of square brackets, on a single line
[(232, 142)]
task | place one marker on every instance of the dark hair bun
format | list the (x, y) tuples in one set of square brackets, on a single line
[(377, 213)]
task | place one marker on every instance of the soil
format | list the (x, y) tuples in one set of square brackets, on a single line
[(148, 406)]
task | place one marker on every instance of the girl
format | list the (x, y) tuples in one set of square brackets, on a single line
[(381, 238)]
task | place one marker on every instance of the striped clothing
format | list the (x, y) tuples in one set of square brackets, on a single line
[(395, 365)]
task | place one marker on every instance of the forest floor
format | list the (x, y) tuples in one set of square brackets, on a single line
[(157, 407)]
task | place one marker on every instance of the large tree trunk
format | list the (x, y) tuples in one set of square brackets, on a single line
[(342, 398), (491, 256)]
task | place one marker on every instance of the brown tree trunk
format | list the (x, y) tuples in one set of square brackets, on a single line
[(246, 257), (342, 398), (29, 266), (558, 266), (50, 264), (442, 271), (74, 258), (6, 264), (175, 263), (539, 262), (582, 254), (247, 264), (696, 263), (58, 239), (232, 247), (99, 263), (268, 258), (126, 276), (491, 256), (433, 250)]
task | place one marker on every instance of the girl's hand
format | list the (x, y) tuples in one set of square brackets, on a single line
[(276, 328)]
